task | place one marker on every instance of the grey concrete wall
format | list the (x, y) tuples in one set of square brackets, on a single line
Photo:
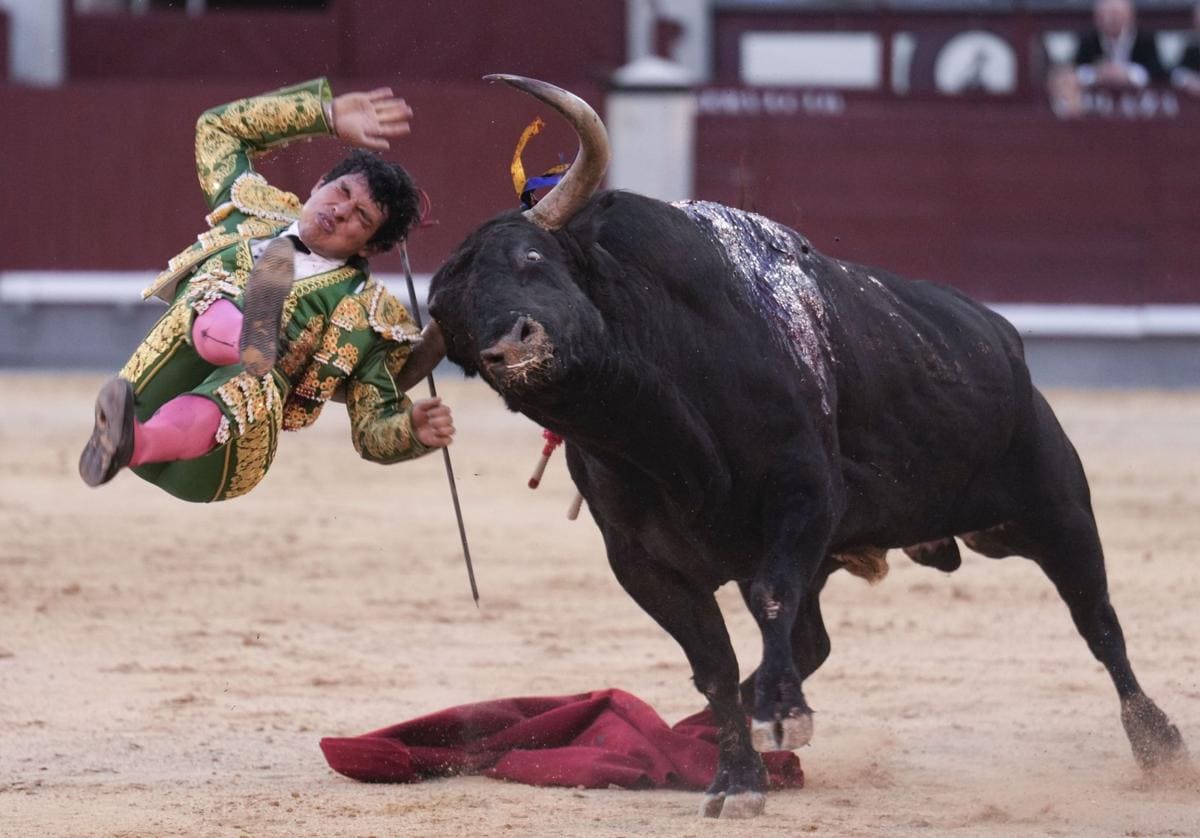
[(55, 336), (1115, 363), (72, 336)]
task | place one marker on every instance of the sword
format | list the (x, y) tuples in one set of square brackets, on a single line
[(462, 530)]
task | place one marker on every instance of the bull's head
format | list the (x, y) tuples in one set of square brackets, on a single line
[(510, 301)]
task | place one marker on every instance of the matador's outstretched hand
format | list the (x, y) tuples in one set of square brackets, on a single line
[(432, 422), (368, 119)]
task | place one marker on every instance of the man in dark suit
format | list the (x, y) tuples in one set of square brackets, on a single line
[(1116, 53), (1187, 75)]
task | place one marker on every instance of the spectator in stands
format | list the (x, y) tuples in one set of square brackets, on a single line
[(1187, 75), (273, 311), (1116, 53)]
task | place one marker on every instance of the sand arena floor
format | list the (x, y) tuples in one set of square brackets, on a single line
[(168, 669)]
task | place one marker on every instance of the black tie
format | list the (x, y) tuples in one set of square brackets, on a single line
[(301, 247)]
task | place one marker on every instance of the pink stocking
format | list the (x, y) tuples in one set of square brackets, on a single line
[(216, 333), (182, 429)]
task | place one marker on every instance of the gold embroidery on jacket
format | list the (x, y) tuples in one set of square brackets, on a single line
[(243, 263), (347, 358), (210, 283), (183, 262), (314, 283), (252, 195), (378, 439), (255, 451), (164, 339), (219, 214), (282, 117), (285, 115), (302, 348), (314, 388), (215, 239), (320, 281), (249, 398), (388, 316), (396, 358), (257, 228), (349, 315), (216, 154), (297, 416)]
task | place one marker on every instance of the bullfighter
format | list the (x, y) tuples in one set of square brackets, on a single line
[(272, 312)]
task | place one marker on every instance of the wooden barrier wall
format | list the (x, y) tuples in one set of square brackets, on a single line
[(101, 175), (445, 41), (1004, 201), (994, 195)]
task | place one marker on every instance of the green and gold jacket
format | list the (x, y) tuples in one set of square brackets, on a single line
[(345, 334)]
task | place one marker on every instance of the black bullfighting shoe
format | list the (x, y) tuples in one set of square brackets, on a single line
[(267, 289), (111, 446)]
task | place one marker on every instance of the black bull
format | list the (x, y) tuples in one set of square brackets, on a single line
[(739, 407)]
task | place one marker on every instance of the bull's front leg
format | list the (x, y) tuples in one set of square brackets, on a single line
[(690, 614), (783, 597), (790, 725)]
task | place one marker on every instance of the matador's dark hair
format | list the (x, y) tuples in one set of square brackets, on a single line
[(391, 188)]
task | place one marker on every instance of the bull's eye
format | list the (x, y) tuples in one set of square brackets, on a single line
[(533, 256)]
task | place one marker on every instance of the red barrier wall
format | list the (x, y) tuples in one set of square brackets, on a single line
[(447, 40), (1006, 202), (162, 45), (993, 195), (101, 176)]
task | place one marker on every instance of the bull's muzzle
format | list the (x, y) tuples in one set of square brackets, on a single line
[(520, 356)]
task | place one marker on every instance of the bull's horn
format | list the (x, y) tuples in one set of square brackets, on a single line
[(585, 174)]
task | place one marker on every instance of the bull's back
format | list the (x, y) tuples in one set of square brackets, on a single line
[(913, 389), (922, 388), (931, 390)]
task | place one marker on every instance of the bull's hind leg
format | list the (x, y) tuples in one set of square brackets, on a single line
[(1074, 561), (1058, 531), (690, 614), (1067, 548)]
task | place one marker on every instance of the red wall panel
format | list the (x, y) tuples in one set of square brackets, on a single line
[(447, 40), (101, 176), (227, 46), (558, 40), (1004, 201)]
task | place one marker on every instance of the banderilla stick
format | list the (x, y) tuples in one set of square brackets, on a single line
[(462, 530), (553, 440), (573, 509)]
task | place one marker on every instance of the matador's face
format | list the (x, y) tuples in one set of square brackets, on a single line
[(339, 218)]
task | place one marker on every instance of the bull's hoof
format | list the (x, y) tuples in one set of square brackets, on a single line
[(746, 804), (1155, 741), (781, 735)]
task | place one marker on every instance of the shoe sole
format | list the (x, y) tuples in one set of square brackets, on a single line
[(111, 444), (267, 289)]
